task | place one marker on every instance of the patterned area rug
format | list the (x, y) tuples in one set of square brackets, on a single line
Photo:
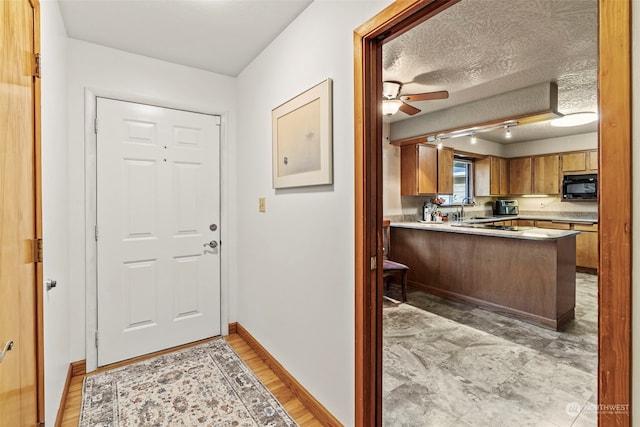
[(205, 385)]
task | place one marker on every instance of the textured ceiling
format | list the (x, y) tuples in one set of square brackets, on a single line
[(479, 48), (222, 36)]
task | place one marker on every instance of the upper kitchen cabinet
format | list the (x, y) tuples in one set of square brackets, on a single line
[(520, 175), (445, 171), (580, 161), (546, 174), (426, 170), (491, 176), (534, 175)]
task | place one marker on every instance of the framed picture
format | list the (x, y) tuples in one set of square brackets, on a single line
[(303, 139)]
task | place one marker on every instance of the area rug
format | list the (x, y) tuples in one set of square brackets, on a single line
[(204, 385)]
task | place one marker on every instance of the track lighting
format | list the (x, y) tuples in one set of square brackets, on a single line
[(473, 138), (507, 133)]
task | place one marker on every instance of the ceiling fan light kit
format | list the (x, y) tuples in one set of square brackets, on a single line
[(393, 101), (575, 119), (390, 106)]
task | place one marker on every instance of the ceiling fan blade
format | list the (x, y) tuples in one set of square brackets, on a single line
[(428, 96), (409, 109)]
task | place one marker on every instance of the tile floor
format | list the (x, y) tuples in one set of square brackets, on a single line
[(450, 364)]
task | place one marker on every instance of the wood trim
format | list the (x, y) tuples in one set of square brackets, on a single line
[(233, 328), (65, 394), (78, 368), (614, 213), (307, 399), (39, 315), (368, 38)]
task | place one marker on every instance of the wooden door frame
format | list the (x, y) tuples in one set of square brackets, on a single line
[(614, 205), (39, 303)]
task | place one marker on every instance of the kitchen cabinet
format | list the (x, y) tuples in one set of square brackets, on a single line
[(534, 175), (425, 170), (445, 171), (520, 175), (524, 222), (586, 245), (546, 174), (553, 224), (491, 176), (580, 161)]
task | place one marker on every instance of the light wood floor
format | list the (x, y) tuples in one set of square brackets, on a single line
[(292, 405)]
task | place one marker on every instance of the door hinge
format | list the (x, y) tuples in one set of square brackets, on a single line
[(95, 125), (37, 67), (96, 339), (95, 233), (374, 262), (39, 250)]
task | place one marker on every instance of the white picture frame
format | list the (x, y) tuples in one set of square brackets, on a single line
[(302, 139)]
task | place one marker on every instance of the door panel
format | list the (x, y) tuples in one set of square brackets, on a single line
[(18, 216), (158, 194)]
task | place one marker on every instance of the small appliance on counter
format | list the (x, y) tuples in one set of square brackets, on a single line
[(506, 207)]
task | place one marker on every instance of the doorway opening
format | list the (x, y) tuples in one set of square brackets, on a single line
[(614, 208)]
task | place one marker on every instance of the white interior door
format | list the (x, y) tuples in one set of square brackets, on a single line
[(157, 206)]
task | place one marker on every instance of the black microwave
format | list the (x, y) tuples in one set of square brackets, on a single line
[(580, 187)]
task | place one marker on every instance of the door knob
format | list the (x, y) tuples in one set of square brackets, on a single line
[(212, 244), (7, 347)]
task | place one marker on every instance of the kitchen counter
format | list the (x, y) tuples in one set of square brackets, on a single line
[(563, 219), (528, 274), (466, 227)]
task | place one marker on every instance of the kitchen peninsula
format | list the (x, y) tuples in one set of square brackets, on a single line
[(528, 273)]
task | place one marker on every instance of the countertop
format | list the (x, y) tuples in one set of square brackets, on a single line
[(563, 219), (529, 234)]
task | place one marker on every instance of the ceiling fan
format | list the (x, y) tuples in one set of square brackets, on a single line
[(393, 101)]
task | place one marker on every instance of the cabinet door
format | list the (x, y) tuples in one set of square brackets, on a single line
[(524, 222), (503, 176), (586, 245), (428, 169), (419, 170), (520, 175), (592, 160), (546, 174), (445, 171), (587, 249), (574, 162)]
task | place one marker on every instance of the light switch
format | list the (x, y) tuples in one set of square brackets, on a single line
[(262, 204)]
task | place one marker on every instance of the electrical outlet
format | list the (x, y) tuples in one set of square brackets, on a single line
[(262, 204)]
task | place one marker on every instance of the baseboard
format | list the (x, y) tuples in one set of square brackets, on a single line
[(233, 328), (78, 368), (320, 412)]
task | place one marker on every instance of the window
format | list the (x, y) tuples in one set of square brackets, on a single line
[(462, 183)]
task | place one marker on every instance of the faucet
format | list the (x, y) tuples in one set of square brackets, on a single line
[(473, 203)]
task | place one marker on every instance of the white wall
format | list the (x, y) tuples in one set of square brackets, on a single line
[(586, 141), (295, 263), (55, 204), (137, 78)]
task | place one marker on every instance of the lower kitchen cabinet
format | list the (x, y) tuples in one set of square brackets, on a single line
[(587, 245), (586, 241)]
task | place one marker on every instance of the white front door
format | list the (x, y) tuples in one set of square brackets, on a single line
[(157, 206)]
